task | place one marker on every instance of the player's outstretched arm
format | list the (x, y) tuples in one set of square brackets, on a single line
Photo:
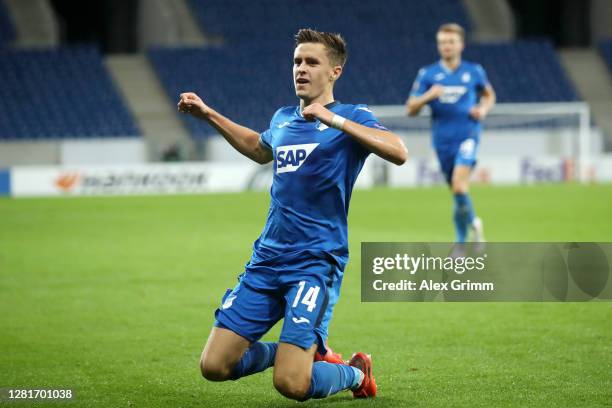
[(414, 104), (382, 143), (243, 139)]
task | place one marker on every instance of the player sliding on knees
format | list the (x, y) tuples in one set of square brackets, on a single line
[(460, 96), (318, 149)]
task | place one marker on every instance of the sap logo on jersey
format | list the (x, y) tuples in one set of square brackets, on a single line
[(290, 158)]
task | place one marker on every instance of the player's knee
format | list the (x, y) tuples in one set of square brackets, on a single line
[(292, 386), (459, 187), (214, 369)]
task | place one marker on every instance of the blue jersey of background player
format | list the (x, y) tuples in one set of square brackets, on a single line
[(318, 149), (460, 96)]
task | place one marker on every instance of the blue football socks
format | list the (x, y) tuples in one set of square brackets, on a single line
[(258, 357), (463, 215), (328, 379)]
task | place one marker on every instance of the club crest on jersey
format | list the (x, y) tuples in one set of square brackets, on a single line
[(290, 158), (465, 78)]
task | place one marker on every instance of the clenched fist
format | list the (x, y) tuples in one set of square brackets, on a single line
[(191, 103), (317, 111)]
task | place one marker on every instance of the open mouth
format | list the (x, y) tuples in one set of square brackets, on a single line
[(302, 81)]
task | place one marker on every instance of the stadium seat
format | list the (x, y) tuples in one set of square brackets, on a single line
[(60, 93)]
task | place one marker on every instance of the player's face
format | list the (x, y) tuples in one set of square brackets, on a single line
[(450, 45), (313, 72)]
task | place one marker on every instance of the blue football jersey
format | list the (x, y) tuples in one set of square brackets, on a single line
[(315, 169), (451, 122)]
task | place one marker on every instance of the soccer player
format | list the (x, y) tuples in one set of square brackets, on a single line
[(318, 149), (460, 96)]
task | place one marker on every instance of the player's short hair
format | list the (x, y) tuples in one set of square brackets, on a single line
[(333, 42), (452, 28)]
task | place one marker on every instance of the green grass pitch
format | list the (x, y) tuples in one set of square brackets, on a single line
[(114, 297)]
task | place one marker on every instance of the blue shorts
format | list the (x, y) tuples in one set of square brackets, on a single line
[(334, 295), (297, 290), (457, 154)]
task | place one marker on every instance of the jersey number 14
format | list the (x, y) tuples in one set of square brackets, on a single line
[(309, 299)]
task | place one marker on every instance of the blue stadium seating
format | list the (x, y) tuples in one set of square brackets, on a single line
[(249, 83), (605, 48), (59, 93), (7, 30), (278, 20), (525, 71), (247, 88), (522, 71), (249, 76)]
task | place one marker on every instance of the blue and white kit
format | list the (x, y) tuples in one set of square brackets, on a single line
[(456, 135), (297, 265)]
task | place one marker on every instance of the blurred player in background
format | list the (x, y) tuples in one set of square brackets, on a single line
[(318, 149), (460, 97)]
